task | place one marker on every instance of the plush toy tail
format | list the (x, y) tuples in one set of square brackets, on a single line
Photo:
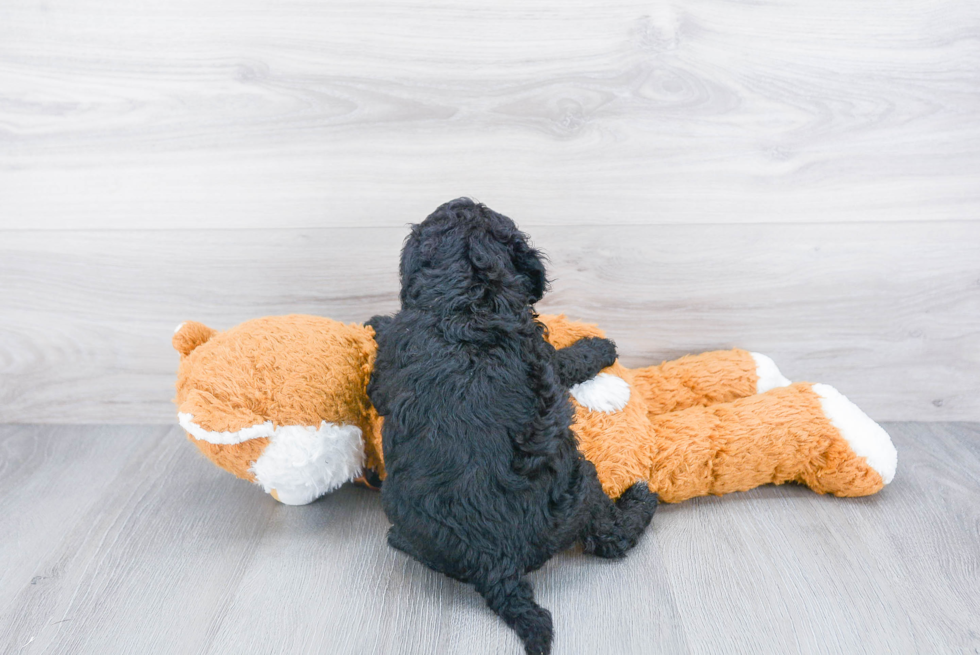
[(189, 335)]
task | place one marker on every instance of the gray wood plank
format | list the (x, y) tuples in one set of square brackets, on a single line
[(244, 114), (66, 473), (128, 541), (135, 572), (889, 316), (894, 573)]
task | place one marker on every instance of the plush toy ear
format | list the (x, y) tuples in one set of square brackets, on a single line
[(189, 335)]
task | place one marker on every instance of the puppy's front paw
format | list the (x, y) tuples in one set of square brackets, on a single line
[(604, 349)]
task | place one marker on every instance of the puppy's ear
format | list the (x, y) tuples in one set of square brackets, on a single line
[(409, 264), (487, 254), (530, 266)]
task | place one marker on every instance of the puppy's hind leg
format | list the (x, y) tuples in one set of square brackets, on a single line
[(636, 508), (615, 528), (512, 599)]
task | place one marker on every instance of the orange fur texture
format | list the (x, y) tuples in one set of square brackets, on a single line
[(290, 370), (692, 427)]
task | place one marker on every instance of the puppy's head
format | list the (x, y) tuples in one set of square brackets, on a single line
[(465, 255)]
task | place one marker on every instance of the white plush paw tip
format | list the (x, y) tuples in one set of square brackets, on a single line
[(295, 496), (603, 393), (866, 438), (768, 374)]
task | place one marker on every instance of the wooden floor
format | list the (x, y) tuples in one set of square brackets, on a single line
[(123, 540)]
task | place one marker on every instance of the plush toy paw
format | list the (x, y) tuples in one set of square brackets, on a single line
[(768, 374), (865, 437), (603, 393)]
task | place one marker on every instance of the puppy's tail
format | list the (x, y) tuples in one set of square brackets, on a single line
[(513, 601)]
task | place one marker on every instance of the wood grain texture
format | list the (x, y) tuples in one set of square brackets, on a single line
[(890, 317), (247, 114), (123, 539), (780, 569)]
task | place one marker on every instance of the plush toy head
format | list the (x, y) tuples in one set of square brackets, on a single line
[(281, 401)]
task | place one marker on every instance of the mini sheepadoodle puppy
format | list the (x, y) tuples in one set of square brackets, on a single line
[(484, 480)]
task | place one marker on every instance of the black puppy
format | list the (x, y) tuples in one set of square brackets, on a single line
[(484, 479)]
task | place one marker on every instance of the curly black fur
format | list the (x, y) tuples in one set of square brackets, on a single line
[(484, 478)]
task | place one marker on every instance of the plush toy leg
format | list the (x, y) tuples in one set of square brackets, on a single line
[(802, 433), (706, 379)]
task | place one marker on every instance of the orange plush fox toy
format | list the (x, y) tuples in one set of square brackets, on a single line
[(282, 402)]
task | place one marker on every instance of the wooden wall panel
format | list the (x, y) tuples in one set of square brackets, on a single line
[(250, 114), (795, 177), (889, 316)]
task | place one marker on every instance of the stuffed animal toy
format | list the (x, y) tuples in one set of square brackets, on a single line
[(282, 402)]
